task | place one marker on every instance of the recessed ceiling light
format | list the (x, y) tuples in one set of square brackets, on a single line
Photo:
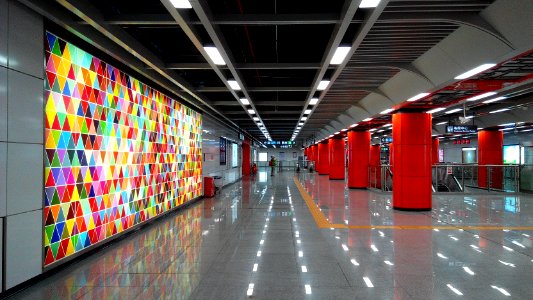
[(322, 85), (344, 130), (442, 123), (484, 95), (386, 111), (181, 3), (369, 3), (251, 111), (299, 127), (475, 71), (367, 119), (301, 123), (256, 118), (234, 85), (340, 55), (435, 110), (418, 97), (214, 55), (303, 119), (244, 101), (453, 111), (307, 111), (313, 101), (494, 100), (353, 125), (500, 110)]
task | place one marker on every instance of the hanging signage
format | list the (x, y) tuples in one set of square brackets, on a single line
[(241, 136), (461, 129), (462, 142), (222, 146), (280, 143), (386, 139)]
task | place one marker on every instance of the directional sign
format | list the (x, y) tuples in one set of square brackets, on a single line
[(461, 129)]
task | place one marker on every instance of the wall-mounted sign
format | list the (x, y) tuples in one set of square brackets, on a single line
[(461, 129), (462, 142), (241, 136), (222, 151), (280, 143), (386, 139)]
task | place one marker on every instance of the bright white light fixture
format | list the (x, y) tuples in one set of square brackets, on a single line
[(435, 110), (494, 100), (475, 71), (301, 123), (368, 282), (499, 110), (367, 119), (501, 290), (344, 130), (454, 289), (453, 111), (256, 119), (386, 111), (340, 55), (417, 97), (369, 3), (244, 101), (313, 101), (303, 119), (251, 111), (214, 55), (299, 127), (337, 132), (234, 85), (322, 85), (308, 289), (181, 3), (353, 125), (307, 111), (484, 95)]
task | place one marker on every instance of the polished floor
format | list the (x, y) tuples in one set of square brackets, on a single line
[(273, 237)]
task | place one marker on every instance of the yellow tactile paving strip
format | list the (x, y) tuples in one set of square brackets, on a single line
[(322, 222)]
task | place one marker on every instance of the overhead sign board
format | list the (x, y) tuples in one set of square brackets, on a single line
[(461, 129), (386, 139), (280, 143)]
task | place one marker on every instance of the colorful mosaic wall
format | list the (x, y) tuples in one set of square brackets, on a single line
[(117, 151)]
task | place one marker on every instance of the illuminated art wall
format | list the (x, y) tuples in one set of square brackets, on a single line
[(117, 151)]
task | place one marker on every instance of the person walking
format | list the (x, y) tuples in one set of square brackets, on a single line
[(272, 165)]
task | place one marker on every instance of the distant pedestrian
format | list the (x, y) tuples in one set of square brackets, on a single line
[(272, 164)]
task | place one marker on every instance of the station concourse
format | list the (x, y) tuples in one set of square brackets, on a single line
[(136, 140)]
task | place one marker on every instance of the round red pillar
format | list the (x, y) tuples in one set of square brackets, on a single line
[(411, 181), (375, 162), (490, 152), (358, 159), (336, 158), (323, 158), (246, 163), (435, 151)]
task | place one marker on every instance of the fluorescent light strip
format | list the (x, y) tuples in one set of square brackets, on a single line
[(367, 119), (234, 85), (322, 85), (255, 268), (387, 111), (354, 262), (501, 290), (313, 101), (369, 3), (214, 55), (374, 248), (354, 125), (303, 119), (340, 55), (181, 3), (304, 269), (499, 110), (458, 292), (307, 111), (484, 95), (344, 247), (442, 123), (495, 99), (453, 111), (475, 71), (308, 289), (418, 97), (251, 111), (250, 290), (368, 282), (435, 110), (469, 271), (244, 101)]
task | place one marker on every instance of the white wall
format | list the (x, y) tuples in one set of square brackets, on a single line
[(21, 141)]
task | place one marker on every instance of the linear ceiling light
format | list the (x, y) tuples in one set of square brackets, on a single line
[(442, 123), (322, 85), (181, 3), (307, 111), (500, 110), (313, 101), (251, 111), (369, 3), (301, 123), (418, 97), (475, 71), (494, 100), (256, 119), (303, 119), (353, 125), (453, 111), (234, 85), (484, 95), (387, 111), (244, 101), (340, 55), (435, 110), (367, 119), (214, 55)]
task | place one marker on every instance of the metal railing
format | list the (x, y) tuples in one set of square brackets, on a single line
[(464, 178)]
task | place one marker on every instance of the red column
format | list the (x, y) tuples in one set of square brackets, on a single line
[(323, 158), (358, 159), (375, 162), (411, 139), (435, 151), (490, 152), (246, 163), (336, 158)]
